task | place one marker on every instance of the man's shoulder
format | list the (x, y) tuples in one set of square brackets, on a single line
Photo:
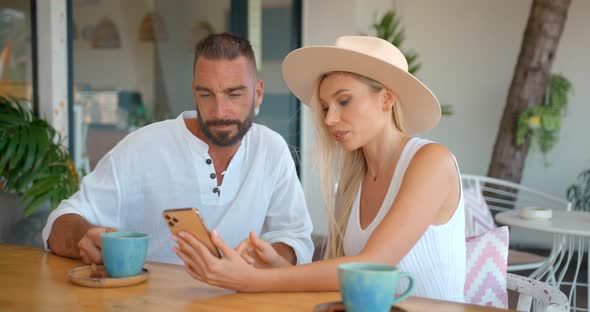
[(153, 134), (262, 134), (269, 145)]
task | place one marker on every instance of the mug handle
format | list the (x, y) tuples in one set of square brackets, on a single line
[(408, 291)]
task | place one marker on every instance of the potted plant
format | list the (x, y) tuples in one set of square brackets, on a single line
[(579, 193), (543, 122), (33, 162)]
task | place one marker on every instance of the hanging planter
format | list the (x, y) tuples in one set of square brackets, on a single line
[(534, 122), (542, 123)]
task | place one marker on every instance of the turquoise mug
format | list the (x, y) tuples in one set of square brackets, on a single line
[(371, 286), (124, 253)]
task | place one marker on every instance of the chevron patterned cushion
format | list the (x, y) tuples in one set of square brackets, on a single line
[(485, 283), (478, 218)]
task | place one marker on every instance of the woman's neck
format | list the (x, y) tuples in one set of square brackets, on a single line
[(381, 152)]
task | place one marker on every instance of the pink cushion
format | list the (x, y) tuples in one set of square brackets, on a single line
[(487, 257), (478, 218)]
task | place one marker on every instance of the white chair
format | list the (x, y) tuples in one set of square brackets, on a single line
[(501, 195), (536, 294)]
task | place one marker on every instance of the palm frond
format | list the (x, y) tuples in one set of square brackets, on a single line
[(33, 162)]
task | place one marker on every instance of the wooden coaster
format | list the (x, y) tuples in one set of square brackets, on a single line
[(84, 276), (338, 306)]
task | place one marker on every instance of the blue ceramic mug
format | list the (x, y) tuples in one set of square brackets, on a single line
[(124, 253), (371, 286)]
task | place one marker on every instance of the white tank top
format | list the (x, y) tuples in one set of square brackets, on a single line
[(437, 261)]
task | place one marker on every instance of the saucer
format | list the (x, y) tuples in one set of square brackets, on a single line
[(338, 306), (81, 276)]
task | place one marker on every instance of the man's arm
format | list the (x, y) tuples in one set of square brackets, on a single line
[(287, 222), (67, 231), (286, 252), (70, 230), (72, 236)]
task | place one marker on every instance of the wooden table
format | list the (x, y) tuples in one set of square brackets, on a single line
[(34, 280)]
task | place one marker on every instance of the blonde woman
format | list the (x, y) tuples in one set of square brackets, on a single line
[(399, 197)]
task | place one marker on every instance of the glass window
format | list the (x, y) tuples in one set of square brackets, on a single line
[(16, 74), (133, 63), (279, 36)]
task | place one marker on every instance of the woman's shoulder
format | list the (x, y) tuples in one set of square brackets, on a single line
[(431, 158)]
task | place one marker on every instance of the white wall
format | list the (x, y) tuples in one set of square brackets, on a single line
[(468, 50)]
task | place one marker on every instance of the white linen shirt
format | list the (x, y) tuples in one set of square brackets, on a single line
[(163, 166)]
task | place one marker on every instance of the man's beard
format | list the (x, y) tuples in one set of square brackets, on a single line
[(223, 138)]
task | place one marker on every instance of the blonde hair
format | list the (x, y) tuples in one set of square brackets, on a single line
[(342, 167)]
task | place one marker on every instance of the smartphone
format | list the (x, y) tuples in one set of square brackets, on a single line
[(189, 220)]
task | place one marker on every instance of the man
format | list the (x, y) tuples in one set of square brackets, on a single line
[(239, 175)]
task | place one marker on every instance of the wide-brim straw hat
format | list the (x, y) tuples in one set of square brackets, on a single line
[(371, 57)]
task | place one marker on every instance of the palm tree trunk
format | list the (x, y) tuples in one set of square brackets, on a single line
[(541, 37)]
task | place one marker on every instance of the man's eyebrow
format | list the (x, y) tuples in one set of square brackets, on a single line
[(234, 89), (200, 88), (226, 90)]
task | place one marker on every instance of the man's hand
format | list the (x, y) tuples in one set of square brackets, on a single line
[(260, 253), (90, 245)]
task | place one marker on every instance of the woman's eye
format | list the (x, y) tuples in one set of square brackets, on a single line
[(344, 102), (325, 109)]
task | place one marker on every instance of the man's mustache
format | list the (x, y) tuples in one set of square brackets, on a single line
[(223, 122)]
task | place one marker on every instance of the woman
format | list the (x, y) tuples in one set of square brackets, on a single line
[(399, 197)]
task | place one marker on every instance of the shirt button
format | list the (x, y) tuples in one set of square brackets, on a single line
[(208, 161), (216, 190), (213, 176)]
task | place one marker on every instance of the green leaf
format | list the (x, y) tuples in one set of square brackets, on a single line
[(40, 187), (31, 152), (447, 110), (43, 139), (55, 200), (398, 39), (26, 179), (21, 148), (413, 69), (8, 122), (3, 140), (36, 203), (7, 155), (32, 158)]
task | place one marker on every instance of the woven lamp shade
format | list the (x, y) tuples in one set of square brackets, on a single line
[(106, 35), (152, 28)]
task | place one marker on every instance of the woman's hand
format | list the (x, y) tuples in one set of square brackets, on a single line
[(260, 253), (231, 271)]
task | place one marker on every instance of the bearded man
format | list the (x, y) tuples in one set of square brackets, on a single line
[(240, 175)]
